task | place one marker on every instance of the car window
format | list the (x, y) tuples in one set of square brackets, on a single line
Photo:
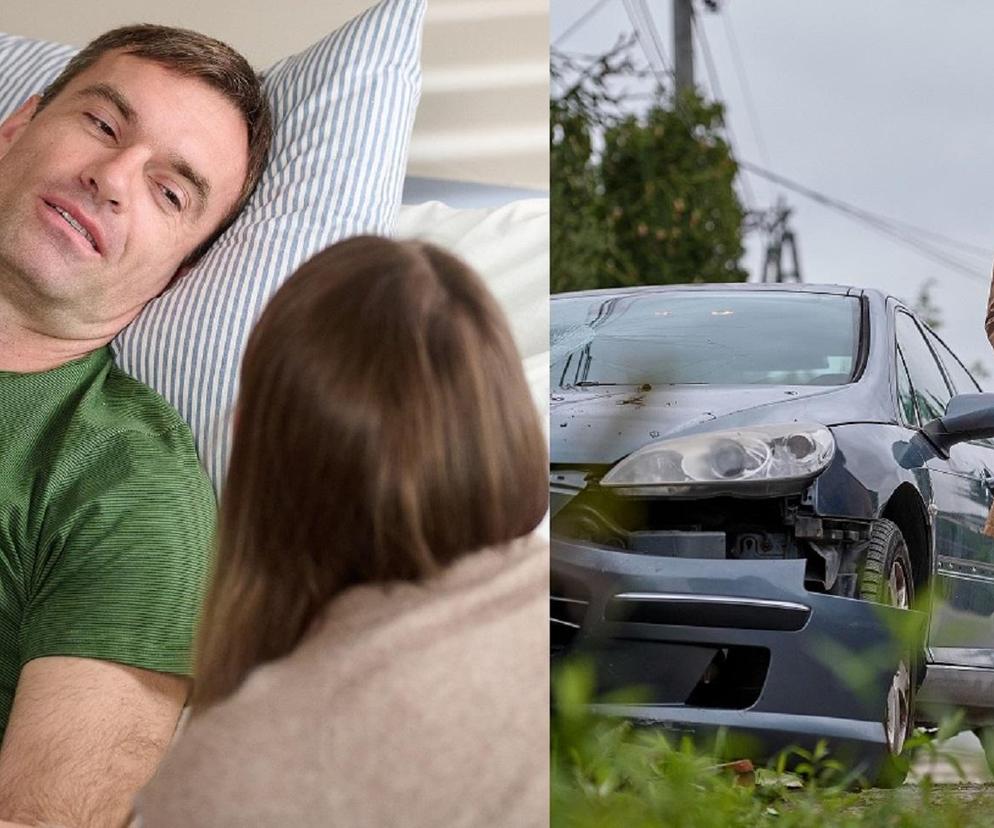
[(931, 392), (905, 394), (962, 382), (708, 337), (961, 379)]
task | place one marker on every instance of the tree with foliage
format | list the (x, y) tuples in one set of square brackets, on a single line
[(579, 241), (925, 306), (639, 199), (931, 314)]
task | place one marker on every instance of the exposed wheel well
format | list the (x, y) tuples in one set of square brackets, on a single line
[(905, 508)]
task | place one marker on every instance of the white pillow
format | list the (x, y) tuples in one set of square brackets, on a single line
[(509, 247), (342, 116)]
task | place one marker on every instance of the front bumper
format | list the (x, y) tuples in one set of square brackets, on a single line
[(736, 644)]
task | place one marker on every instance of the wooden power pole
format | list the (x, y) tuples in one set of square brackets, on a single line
[(683, 44)]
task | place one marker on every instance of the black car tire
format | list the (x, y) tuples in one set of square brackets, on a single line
[(886, 578), (986, 736)]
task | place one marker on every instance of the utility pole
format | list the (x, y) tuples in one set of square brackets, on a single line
[(781, 260), (780, 242), (683, 43)]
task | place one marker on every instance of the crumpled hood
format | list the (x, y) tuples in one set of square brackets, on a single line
[(602, 425)]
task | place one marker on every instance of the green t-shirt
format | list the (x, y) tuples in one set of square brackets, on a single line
[(106, 519)]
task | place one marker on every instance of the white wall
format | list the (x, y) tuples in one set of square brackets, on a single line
[(484, 110)]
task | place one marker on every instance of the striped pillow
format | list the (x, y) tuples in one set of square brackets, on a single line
[(343, 111)]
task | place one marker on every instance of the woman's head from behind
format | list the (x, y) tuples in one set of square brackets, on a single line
[(384, 430)]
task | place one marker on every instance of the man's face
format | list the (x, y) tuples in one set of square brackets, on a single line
[(110, 187)]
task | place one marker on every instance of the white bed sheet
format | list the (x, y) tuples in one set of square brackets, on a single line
[(509, 246)]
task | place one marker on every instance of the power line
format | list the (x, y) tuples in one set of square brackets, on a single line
[(654, 34), (964, 247), (645, 44), (716, 95), (702, 39), (638, 26), (583, 18), (900, 231), (744, 85)]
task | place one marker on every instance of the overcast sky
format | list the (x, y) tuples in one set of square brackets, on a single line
[(887, 105)]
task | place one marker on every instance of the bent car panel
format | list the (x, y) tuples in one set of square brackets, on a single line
[(871, 462), (793, 636), (669, 578)]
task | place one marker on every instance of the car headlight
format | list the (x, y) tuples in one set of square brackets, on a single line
[(756, 460)]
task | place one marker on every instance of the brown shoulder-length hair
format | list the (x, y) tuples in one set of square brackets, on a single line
[(384, 429)]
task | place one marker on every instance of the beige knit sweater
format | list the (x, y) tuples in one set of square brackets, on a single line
[(414, 705)]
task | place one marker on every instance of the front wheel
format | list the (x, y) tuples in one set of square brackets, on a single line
[(886, 579), (986, 736)]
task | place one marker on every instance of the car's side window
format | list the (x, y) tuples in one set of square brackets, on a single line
[(958, 375), (905, 394), (961, 379), (931, 392)]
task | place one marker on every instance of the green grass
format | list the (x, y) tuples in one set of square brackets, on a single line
[(608, 773)]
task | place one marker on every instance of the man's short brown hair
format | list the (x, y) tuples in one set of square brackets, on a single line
[(192, 55)]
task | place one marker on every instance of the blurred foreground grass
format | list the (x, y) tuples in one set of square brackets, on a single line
[(607, 773)]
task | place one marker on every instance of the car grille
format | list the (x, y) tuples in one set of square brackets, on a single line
[(723, 677)]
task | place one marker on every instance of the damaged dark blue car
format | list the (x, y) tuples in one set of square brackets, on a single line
[(750, 484)]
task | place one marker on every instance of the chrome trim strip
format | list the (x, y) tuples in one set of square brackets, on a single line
[(960, 564), (564, 623), (711, 599), (965, 576), (568, 600)]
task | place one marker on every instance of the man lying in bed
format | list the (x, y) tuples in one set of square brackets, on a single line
[(111, 182)]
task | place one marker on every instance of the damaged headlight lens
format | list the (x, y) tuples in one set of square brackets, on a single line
[(761, 458)]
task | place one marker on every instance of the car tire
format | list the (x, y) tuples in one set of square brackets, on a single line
[(986, 737), (886, 578)]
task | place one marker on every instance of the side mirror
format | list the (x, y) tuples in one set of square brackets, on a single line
[(967, 417)]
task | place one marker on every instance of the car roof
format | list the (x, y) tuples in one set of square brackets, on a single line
[(747, 287)]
